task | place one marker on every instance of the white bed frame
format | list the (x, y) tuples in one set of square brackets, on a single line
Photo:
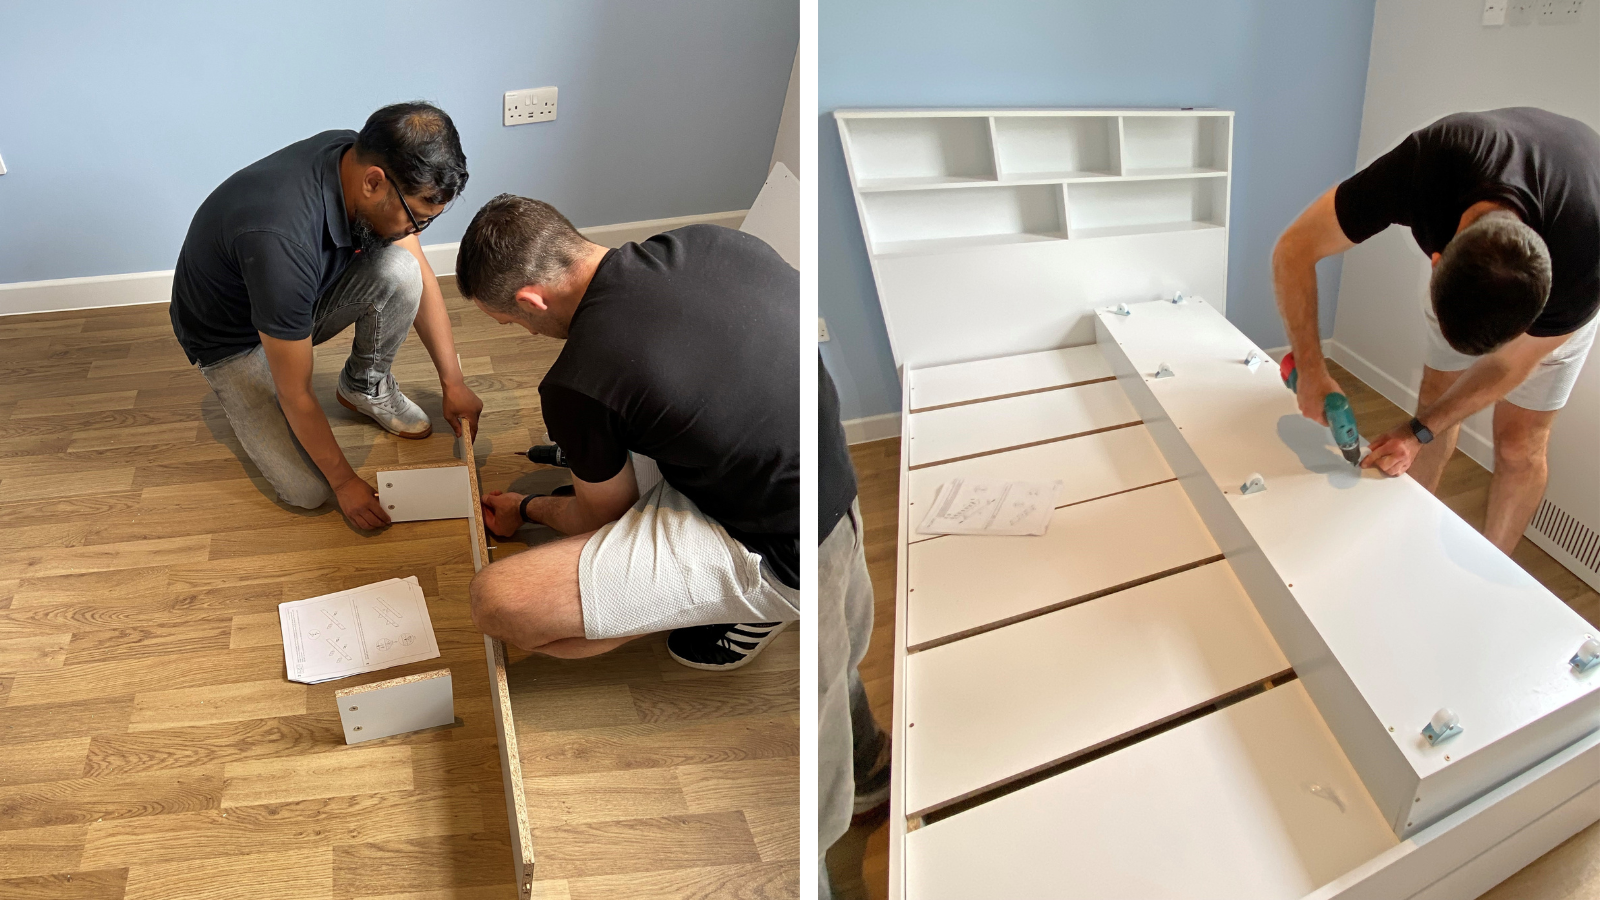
[(1179, 690)]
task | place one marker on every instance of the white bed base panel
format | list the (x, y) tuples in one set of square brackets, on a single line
[(966, 583), (998, 706), (1007, 375), (956, 432), (1254, 802), (1091, 466), (1399, 609), (1020, 298)]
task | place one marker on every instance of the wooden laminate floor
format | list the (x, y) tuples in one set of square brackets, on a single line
[(1569, 872), (150, 746)]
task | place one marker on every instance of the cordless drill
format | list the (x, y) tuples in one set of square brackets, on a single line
[(547, 455), (1336, 407)]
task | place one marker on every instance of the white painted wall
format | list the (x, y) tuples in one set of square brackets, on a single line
[(1431, 58)]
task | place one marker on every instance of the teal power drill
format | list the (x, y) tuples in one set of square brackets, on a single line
[(1336, 407)]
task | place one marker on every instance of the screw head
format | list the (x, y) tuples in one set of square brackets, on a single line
[(357, 728), (354, 708)]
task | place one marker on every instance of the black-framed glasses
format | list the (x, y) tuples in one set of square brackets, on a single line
[(416, 227)]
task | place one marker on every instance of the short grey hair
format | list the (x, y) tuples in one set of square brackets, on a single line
[(1492, 281), (514, 242)]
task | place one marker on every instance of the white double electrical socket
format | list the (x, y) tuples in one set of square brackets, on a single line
[(530, 105)]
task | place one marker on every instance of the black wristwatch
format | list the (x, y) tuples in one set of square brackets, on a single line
[(522, 508), (1424, 436)]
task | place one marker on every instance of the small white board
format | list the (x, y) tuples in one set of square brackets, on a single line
[(396, 706), (959, 431), (775, 216), (438, 492), (963, 582)]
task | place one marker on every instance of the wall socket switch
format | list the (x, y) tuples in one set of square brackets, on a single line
[(1559, 12), (1520, 12), (822, 330), (530, 105)]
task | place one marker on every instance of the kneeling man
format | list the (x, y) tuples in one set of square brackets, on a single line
[(297, 247), (1507, 205), (683, 349)]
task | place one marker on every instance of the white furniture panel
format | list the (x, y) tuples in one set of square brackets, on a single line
[(1057, 147), (1094, 465), (957, 431), (1002, 704), (989, 378), (964, 582), (1166, 145), (1255, 802), (900, 152), (1433, 616), (914, 222), (1037, 296)]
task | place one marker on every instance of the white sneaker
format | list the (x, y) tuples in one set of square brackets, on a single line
[(390, 409)]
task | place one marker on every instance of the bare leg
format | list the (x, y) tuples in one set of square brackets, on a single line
[(1521, 437), (531, 601), (1428, 468)]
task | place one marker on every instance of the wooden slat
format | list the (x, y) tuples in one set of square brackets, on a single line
[(1007, 703), (963, 583), (1095, 465), (1006, 376), (958, 432)]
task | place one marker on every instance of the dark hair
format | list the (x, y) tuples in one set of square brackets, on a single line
[(514, 242), (1491, 282), (417, 144)]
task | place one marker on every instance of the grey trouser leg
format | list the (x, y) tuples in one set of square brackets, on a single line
[(380, 295), (848, 739)]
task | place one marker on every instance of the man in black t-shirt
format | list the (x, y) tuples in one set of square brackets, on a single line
[(1506, 203), (683, 349), (295, 248)]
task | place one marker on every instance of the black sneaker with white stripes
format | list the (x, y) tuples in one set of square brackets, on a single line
[(721, 648)]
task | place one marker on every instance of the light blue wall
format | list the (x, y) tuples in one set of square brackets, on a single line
[(118, 118), (1294, 73)]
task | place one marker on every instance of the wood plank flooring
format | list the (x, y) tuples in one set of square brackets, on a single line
[(859, 862), (150, 746)]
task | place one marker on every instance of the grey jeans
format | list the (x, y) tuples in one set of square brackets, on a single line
[(848, 738), (379, 293)]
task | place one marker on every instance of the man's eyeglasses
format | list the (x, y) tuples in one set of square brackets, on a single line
[(416, 226)]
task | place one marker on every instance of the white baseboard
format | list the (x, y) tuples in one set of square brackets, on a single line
[(872, 428), (135, 288)]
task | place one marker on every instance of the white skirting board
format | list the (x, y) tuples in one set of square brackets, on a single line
[(872, 428), (135, 288)]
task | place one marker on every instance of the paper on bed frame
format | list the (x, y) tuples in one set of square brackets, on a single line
[(360, 630)]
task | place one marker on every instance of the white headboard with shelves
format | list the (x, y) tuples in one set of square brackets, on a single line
[(996, 232)]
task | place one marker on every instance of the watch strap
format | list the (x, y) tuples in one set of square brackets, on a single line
[(522, 508), (1423, 433)]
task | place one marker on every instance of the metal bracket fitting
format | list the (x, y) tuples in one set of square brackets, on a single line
[(1163, 371), (1254, 360), (1587, 657), (1121, 309), (1443, 726), (1255, 484)]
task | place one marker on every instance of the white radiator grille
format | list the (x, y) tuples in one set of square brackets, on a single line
[(1571, 535)]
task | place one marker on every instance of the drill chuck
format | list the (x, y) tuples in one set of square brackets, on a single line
[(548, 455)]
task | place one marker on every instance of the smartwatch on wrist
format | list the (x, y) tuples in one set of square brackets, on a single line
[(522, 508), (1424, 436)]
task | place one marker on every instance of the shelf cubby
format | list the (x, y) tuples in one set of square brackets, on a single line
[(1056, 147), (1114, 208), (933, 221), (895, 153), (1175, 145)]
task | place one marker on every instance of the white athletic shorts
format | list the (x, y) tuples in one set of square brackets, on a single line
[(665, 564), (1550, 384)]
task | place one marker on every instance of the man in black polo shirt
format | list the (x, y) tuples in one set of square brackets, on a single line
[(295, 248), (684, 349), (1507, 205)]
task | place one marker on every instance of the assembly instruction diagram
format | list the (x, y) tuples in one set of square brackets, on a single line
[(972, 506), (360, 630)]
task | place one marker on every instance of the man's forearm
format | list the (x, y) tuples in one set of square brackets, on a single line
[(433, 327), (310, 425), (1294, 281), (565, 514)]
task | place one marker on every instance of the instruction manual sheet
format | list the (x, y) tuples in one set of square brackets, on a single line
[(360, 630), (964, 506)]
